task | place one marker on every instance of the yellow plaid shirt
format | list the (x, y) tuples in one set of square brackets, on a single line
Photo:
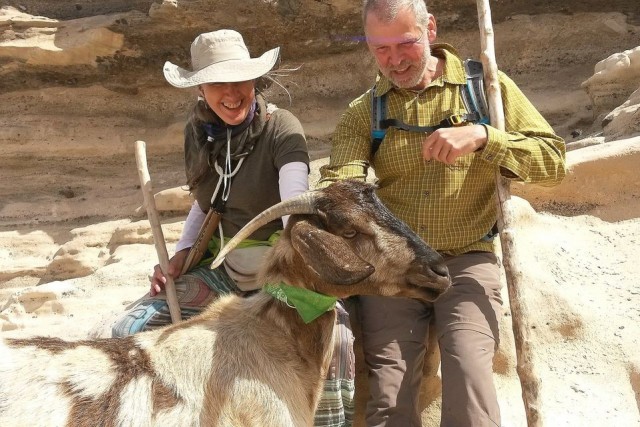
[(452, 207)]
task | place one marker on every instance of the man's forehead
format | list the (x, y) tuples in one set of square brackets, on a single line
[(375, 39)]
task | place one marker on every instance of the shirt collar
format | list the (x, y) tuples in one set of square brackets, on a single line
[(453, 70)]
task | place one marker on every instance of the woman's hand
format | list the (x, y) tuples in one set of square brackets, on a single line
[(158, 280)]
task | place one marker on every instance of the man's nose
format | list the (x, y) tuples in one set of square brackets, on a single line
[(395, 57)]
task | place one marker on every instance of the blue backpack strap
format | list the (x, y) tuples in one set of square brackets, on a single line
[(378, 115), (473, 95), (380, 124)]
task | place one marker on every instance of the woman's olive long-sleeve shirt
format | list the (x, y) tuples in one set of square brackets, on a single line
[(278, 139)]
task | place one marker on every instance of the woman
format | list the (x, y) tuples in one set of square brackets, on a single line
[(245, 155)]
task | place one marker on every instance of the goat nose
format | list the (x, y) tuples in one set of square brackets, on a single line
[(441, 270)]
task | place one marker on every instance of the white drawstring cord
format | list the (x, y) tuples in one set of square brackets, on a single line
[(225, 179)]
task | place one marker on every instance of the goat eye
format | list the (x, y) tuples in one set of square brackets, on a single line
[(349, 234)]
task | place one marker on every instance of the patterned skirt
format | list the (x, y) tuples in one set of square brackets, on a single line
[(200, 286)]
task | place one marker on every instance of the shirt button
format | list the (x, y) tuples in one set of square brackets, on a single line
[(426, 193)]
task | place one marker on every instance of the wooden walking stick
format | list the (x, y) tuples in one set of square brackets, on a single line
[(156, 230), (521, 326)]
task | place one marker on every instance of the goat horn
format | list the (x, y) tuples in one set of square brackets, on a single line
[(302, 204)]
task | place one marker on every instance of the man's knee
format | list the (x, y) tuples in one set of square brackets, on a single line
[(384, 320), (395, 374), (395, 371), (467, 349), (468, 392)]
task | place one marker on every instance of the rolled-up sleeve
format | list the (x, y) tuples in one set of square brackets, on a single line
[(528, 150)]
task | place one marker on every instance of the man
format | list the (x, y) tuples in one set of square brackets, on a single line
[(442, 184)]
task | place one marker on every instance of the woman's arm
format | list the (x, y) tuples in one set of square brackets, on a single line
[(293, 180), (191, 228)]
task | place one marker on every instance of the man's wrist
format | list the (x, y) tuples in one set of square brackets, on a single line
[(482, 141)]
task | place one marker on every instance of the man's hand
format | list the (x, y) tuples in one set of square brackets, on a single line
[(447, 144), (158, 280)]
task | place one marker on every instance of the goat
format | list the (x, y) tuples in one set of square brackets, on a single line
[(243, 361)]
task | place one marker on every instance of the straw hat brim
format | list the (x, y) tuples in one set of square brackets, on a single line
[(222, 72)]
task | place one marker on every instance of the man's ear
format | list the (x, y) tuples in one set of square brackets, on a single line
[(432, 29)]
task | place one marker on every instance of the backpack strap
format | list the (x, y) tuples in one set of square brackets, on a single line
[(380, 124), (378, 114), (474, 96)]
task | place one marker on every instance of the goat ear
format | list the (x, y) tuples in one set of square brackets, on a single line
[(328, 255)]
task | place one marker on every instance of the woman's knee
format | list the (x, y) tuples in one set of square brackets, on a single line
[(343, 360)]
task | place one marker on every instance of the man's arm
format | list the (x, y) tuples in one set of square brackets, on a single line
[(529, 150), (350, 145)]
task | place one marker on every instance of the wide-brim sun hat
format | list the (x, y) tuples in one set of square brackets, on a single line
[(220, 57)]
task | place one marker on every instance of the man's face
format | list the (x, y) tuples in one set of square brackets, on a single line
[(401, 48)]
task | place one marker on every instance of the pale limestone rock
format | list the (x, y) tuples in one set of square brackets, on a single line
[(86, 251), (74, 259), (624, 121), (139, 232), (22, 253), (10, 16), (602, 181), (29, 303), (173, 199), (614, 79), (585, 142), (43, 41), (164, 9)]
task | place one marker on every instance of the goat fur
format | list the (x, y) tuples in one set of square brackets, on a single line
[(243, 361)]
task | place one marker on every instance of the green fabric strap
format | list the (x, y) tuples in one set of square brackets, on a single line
[(310, 305), (214, 245)]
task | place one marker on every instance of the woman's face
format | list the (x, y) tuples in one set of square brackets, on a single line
[(230, 101)]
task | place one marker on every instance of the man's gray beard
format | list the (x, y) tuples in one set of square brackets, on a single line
[(419, 76)]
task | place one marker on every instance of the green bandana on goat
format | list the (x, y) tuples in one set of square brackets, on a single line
[(310, 305)]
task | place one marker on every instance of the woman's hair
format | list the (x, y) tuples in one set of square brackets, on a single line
[(387, 10)]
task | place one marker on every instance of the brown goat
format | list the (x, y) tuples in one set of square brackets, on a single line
[(243, 361)]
